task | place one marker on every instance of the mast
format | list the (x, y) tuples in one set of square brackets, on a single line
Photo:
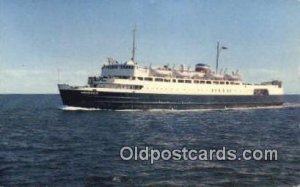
[(133, 45), (217, 58), (219, 49)]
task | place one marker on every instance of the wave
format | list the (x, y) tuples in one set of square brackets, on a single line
[(185, 110), (285, 105), (291, 105), (129, 110)]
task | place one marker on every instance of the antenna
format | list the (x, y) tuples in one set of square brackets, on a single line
[(221, 71), (219, 49), (172, 71), (217, 58), (133, 44)]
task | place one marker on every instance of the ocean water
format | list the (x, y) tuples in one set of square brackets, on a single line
[(43, 143)]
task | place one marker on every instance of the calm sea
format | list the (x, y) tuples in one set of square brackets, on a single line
[(42, 143)]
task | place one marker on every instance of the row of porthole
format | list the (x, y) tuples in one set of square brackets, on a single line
[(219, 90), (120, 86)]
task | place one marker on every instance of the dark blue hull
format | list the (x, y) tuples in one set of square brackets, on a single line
[(119, 101)]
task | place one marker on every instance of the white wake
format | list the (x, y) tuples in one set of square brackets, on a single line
[(73, 108)]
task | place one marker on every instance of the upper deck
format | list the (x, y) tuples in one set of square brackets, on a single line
[(130, 69)]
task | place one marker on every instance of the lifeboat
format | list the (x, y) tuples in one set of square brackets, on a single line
[(202, 68)]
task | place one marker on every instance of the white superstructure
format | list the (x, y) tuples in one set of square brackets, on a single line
[(129, 77)]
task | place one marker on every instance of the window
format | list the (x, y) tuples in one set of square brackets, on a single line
[(202, 82), (167, 80), (216, 82), (122, 77), (140, 78), (188, 81), (196, 81), (208, 82), (221, 82), (227, 82), (174, 80), (261, 92), (138, 87), (148, 79), (180, 81), (159, 80)]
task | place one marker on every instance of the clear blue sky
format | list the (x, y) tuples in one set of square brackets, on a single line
[(37, 37)]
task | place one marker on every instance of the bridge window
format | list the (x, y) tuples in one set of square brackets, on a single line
[(159, 80)]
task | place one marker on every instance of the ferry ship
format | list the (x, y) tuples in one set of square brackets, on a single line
[(130, 86)]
